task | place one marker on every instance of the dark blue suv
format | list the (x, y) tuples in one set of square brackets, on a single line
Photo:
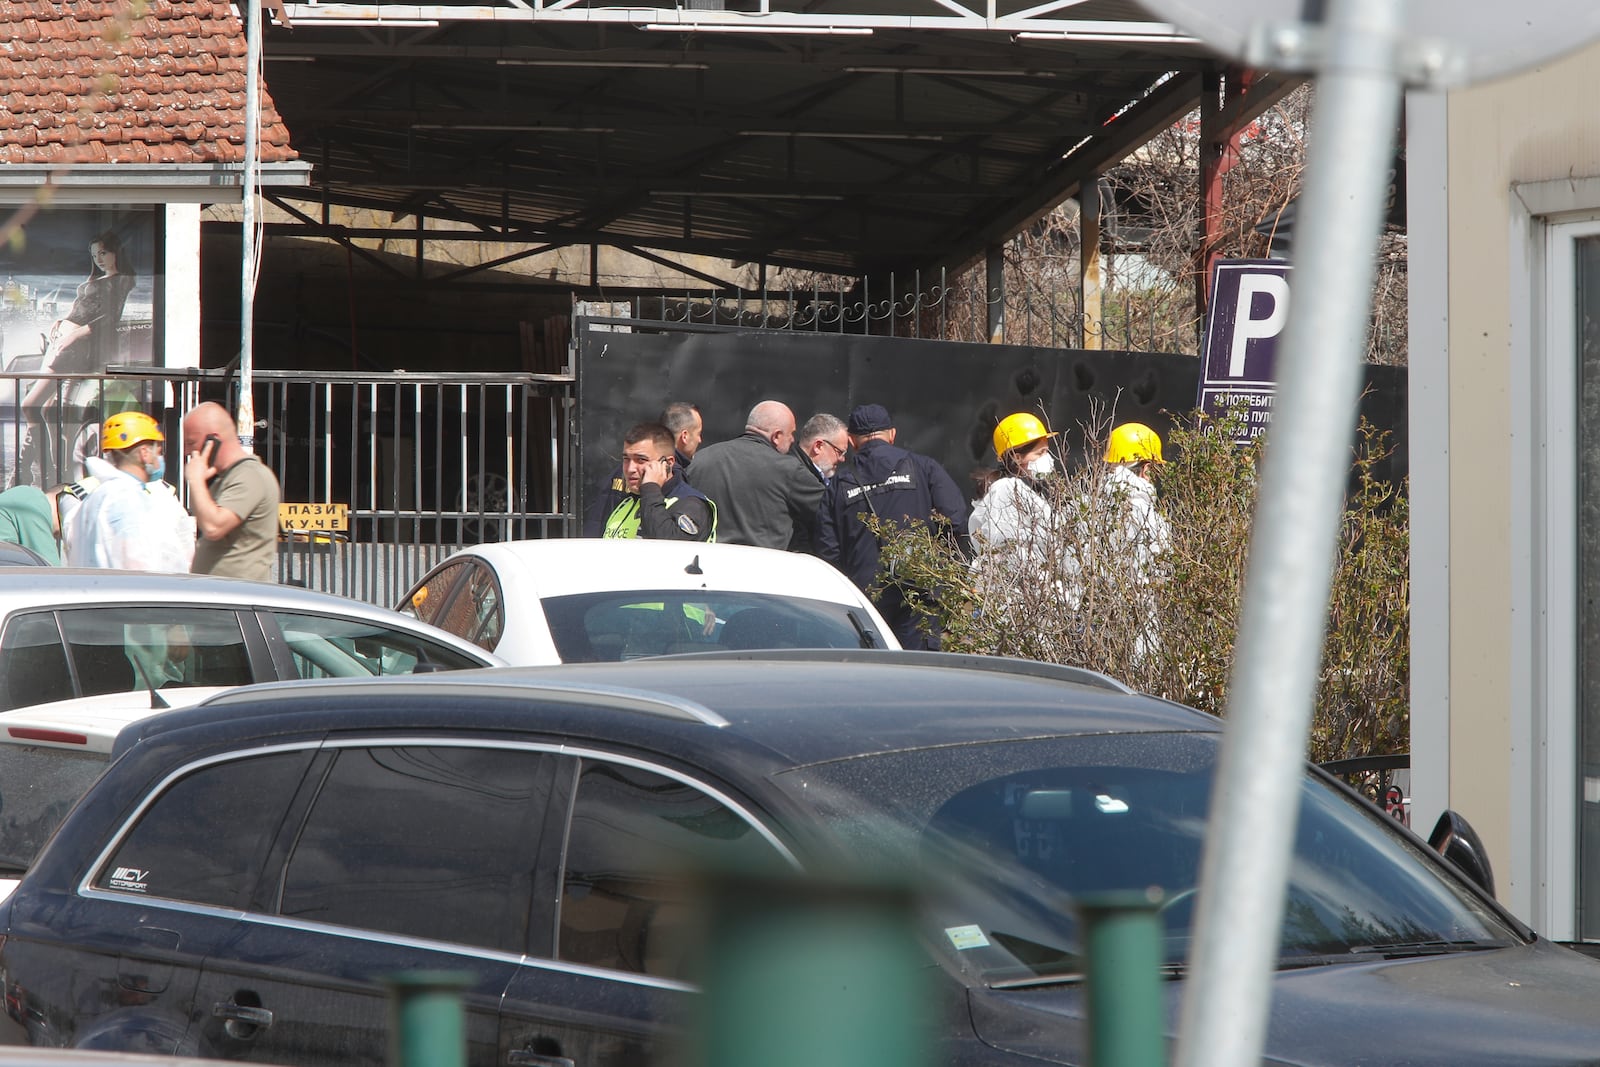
[(247, 871)]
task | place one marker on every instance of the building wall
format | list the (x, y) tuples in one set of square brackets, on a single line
[(1480, 694)]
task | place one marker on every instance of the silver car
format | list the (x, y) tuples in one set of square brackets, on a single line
[(68, 633)]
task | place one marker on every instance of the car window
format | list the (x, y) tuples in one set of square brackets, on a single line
[(636, 842), (1004, 834), (123, 648), (432, 842), (610, 626), (33, 662), (477, 611), (203, 838), (323, 647), (38, 786), (427, 601)]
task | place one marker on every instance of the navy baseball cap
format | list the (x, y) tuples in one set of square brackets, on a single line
[(870, 418)]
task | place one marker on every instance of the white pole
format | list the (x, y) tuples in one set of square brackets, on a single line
[(1250, 834), (247, 281)]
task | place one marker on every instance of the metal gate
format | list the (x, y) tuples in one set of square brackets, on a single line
[(425, 463)]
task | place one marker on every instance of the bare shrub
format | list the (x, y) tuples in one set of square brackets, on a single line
[(1074, 593)]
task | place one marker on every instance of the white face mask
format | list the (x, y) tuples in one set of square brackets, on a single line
[(1042, 466)]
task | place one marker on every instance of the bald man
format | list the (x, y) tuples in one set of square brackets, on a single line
[(234, 498), (764, 495)]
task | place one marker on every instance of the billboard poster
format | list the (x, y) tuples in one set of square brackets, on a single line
[(77, 295), (1248, 312)]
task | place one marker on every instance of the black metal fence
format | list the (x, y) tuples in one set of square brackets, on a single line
[(1031, 311)]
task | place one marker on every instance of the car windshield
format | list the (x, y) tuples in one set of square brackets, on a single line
[(611, 626), (1005, 834), (39, 784)]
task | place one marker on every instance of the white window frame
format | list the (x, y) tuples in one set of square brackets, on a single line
[(1547, 218)]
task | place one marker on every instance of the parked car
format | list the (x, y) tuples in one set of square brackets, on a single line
[(51, 753), (15, 555), (68, 633), (32, 1057), (246, 871), (584, 600)]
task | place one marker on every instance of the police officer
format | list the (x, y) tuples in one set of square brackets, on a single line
[(880, 479), (658, 503), (683, 420)]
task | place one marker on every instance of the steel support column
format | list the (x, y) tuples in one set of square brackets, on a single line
[(994, 288), (1221, 118), (1089, 280)]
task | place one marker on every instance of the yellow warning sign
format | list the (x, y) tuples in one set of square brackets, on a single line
[(294, 517)]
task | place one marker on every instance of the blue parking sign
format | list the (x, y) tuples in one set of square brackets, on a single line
[(1249, 310)]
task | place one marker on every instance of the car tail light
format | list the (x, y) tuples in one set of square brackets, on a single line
[(64, 737)]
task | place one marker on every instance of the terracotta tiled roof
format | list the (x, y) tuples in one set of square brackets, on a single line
[(127, 81)]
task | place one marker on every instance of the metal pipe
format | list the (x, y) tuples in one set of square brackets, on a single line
[(1250, 832), (801, 972), (427, 1024), (1122, 946), (247, 281)]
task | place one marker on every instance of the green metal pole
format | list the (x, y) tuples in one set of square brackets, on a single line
[(1122, 945), (808, 972), (427, 1024)]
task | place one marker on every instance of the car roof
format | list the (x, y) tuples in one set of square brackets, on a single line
[(41, 587), (28, 586), (799, 707), (15, 555), (562, 566), (92, 723)]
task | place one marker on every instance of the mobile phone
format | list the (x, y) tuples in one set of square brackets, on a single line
[(215, 442)]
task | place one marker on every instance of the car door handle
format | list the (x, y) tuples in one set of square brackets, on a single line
[(242, 1020), (526, 1057)]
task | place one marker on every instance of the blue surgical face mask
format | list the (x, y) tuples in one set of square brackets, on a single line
[(157, 469)]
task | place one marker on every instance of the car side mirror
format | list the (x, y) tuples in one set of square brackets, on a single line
[(1455, 839)]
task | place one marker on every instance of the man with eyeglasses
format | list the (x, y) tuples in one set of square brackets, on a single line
[(764, 495), (821, 443)]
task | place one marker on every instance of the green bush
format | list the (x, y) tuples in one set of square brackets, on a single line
[(1075, 595)]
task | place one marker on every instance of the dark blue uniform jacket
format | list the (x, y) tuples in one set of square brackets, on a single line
[(897, 486)]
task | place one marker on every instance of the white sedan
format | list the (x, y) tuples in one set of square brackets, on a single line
[(579, 600)]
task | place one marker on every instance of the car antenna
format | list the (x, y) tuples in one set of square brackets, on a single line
[(157, 702), (693, 567)]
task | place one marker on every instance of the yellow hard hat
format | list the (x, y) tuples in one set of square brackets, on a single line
[(1017, 430), (128, 428), (1133, 442)]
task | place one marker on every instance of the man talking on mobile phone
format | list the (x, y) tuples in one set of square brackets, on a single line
[(233, 496), (658, 503)]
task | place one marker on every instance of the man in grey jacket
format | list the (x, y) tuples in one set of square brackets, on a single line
[(764, 495)]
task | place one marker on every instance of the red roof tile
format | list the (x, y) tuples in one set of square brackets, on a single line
[(87, 81)]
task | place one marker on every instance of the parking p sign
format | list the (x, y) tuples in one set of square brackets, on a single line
[(1249, 309)]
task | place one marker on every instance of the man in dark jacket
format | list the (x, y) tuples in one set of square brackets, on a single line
[(657, 503), (764, 495), (683, 420), (897, 487)]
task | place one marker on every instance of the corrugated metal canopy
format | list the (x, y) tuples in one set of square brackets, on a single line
[(849, 136)]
